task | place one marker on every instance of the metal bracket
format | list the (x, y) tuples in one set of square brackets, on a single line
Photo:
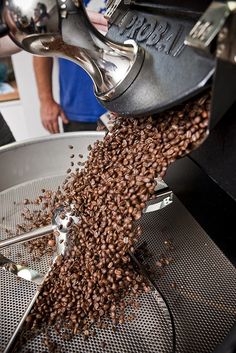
[(226, 43), (214, 35), (217, 22), (107, 120), (162, 199), (208, 26), (113, 7)]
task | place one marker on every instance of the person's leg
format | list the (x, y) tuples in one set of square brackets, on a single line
[(6, 135), (79, 126)]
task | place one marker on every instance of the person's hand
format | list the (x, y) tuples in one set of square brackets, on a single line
[(50, 113), (98, 21)]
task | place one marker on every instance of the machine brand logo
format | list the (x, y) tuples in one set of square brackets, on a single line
[(157, 34)]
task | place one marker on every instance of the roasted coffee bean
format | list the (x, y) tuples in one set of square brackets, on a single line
[(94, 278), (51, 243)]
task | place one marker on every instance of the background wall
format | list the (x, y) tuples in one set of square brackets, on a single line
[(23, 116)]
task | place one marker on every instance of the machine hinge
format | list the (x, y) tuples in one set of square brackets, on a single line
[(216, 22), (113, 9)]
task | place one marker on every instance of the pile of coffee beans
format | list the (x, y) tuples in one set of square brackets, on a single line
[(95, 277)]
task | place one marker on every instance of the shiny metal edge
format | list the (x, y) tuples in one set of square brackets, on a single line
[(32, 141), (162, 200), (25, 237), (9, 347)]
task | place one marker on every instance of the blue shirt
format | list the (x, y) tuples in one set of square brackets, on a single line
[(77, 97)]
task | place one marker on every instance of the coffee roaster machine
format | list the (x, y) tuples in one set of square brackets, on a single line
[(172, 52)]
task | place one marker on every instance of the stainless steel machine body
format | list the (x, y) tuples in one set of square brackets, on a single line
[(169, 49), (199, 284), (62, 28)]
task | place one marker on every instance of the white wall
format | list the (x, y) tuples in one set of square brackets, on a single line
[(12, 112), (23, 116)]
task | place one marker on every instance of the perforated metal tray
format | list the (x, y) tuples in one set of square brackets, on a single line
[(151, 328), (199, 284)]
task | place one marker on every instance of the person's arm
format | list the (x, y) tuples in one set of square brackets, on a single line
[(50, 110), (8, 47), (98, 21)]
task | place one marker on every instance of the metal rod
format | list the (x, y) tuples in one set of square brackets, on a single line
[(37, 233), (21, 271), (13, 340)]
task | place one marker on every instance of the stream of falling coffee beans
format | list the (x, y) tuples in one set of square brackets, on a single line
[(94, 278)]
